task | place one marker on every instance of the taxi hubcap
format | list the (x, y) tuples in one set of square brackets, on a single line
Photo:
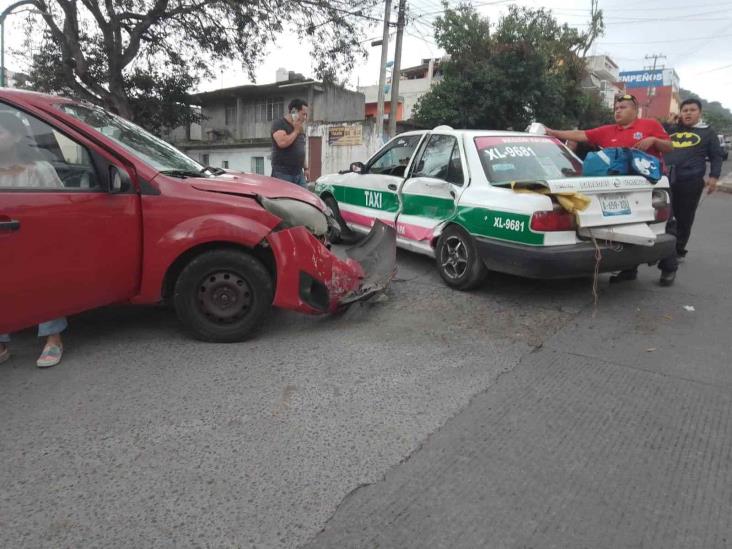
[(224, 297), (454, 257)]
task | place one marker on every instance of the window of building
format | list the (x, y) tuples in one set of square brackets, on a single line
[(225, 164), (269, 109), (205, 159), (258, 164), (230, 114)]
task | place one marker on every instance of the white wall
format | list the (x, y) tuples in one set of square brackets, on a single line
[(409, 92), (338, 157), (239, 159), (333, 159)]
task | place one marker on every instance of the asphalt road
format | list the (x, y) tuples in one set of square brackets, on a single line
[(355, 424), (615, 433)]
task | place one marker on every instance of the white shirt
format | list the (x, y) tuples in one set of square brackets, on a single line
[(37, 174)]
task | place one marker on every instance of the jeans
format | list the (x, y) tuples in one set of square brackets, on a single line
[(297, 179), (52, 327)]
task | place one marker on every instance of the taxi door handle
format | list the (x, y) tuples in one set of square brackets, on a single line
[(9, 225), (392, 186)]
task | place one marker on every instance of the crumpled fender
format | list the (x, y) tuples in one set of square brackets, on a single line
[(310, 278)]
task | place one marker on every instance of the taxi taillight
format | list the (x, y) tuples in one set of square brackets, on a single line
[(661, 206), (556, 220)]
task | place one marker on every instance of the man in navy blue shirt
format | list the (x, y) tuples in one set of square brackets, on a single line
[(693, 144)]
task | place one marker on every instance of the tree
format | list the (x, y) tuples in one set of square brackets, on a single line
[(526, 67), (140, 58)]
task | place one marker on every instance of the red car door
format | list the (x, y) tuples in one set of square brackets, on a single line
[(67, 243)]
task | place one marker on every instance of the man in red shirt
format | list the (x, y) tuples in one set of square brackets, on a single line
[(628, 131)]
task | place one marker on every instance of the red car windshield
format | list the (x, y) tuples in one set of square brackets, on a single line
[(148, 148), (518, 158)]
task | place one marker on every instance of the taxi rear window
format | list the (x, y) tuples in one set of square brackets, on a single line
[(515, 158)]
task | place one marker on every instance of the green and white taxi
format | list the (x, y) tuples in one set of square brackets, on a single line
[(490, 200)]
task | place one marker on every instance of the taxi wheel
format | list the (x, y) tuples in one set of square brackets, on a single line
[(223, 295), (458, 261), (345, 235)]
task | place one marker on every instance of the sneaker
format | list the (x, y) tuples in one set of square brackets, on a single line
[(50, 356), (667, 278), (622, 276), (4, 354)]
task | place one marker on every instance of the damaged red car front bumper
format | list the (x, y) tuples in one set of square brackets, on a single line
[(312, 279)]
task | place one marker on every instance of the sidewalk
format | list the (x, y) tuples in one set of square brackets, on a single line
[(616, 433)]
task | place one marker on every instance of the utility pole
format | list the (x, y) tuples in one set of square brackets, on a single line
[(396, 71), (382, 72), (651, 88)]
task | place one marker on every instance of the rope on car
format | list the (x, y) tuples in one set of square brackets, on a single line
[(596, 276)]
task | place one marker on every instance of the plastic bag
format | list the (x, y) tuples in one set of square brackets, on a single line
[(622, 161)]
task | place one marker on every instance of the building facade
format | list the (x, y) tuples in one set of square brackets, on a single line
[(14, 79), (414, 83), (602, 78), (657, 91), (235, 126)]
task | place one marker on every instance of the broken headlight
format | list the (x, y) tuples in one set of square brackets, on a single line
[(294, 213)]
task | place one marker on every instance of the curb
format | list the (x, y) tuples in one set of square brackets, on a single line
[(725, 185)]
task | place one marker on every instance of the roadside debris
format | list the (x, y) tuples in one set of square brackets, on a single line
[(689, 308)]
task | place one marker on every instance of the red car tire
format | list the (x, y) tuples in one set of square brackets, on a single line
[(223, 295)]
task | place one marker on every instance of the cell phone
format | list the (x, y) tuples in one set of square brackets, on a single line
[(294, 114)]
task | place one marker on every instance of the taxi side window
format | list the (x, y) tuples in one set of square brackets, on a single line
[(33, 155), (393, 160), (441, 160)]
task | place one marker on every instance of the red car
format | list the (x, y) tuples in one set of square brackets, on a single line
[(95, 211)]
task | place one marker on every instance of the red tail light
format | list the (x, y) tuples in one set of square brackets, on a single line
[(557, 220), (661, 205), (663, 213)]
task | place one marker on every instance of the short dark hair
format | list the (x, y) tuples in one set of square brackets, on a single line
[(297, 104), (690, 101)]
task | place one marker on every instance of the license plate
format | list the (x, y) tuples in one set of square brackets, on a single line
[(615, 204)]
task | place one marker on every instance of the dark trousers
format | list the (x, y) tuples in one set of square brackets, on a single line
[(685, 196)]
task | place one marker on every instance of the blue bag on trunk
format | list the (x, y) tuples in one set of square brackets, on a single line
[(622, 161)]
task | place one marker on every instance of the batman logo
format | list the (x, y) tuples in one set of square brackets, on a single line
[(684, 140)]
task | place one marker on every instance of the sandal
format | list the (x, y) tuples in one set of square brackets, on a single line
[(50, 356), (4, 354)]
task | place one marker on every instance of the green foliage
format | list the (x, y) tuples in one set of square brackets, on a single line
[(140, 58), (527, 67), (713, 113)]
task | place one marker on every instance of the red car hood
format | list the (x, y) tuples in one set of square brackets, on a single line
[(251, 184)]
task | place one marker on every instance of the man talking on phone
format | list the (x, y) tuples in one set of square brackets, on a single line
[(288, 144)]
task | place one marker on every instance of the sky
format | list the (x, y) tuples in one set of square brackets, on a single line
[(694, 37)]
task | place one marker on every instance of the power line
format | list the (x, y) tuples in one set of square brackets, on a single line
[(714, 70), (675, 40)]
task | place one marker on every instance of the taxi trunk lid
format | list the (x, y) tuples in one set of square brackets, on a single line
[(620, 208), (614, 200)]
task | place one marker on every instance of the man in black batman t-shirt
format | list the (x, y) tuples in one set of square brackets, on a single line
[(694, 143), (288, 144)]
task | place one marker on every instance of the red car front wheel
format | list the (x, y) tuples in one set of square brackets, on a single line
[(223, 295)]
